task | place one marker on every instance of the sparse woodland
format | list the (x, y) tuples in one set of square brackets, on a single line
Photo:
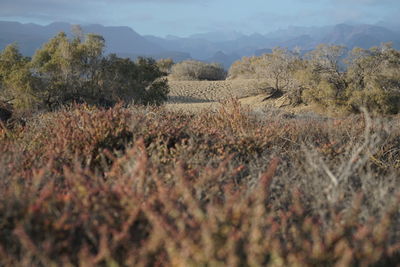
[(97, 175), (330, 78)]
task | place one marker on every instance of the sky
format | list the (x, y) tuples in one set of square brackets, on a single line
[(186, 17)]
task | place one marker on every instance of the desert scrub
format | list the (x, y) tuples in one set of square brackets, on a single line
[(145, 186), (192, 70)]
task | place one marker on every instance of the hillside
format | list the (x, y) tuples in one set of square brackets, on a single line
[(123, 41), (220, 47)]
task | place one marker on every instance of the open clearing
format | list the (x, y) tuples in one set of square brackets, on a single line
[(195, 96), (206, 91)]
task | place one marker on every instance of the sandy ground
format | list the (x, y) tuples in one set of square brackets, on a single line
[(209, 91), (195, 96)]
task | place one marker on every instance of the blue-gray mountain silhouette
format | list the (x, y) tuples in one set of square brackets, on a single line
[(219, 47)]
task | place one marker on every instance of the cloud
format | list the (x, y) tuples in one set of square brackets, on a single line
[(187, 16), (39, 7), (356, 2), (55, 8)]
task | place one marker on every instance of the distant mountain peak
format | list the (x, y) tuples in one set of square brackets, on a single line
[(218, 36), (219, 46), (59, 24)]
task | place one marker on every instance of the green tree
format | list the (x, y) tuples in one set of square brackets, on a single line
[(17, 84), (139, 82), (74, 69), (68, 69)]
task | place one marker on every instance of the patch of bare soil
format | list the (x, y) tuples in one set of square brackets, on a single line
[(209, 91), (195, 96)]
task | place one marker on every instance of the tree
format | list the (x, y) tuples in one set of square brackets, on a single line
[(68, 69), (17, 84), (278, 68), (374, 79), (165, 65), (325, 78), (140, 81)]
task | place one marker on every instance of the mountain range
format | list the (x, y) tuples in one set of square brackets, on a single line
[(221, 47)]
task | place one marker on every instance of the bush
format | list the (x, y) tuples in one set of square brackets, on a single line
[(66, 71), (5, 112), (165, 65), (140, 82), (243, 69), (374, 79), (17, 82), (277, 69), (368, 78), (195, 70), (147, 187)]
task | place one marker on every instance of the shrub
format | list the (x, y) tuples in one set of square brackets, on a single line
[(144, 186), (140, 82), (323, 77), (196, 70), (165, 65), (67, 70), (17, 83), (367, 78), (277, 70), (243, 69), (374, 79)]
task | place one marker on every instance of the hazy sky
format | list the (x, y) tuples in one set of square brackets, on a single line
[(184, 17)]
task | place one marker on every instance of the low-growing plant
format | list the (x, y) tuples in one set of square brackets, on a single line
[(196, 70), (148, 187)]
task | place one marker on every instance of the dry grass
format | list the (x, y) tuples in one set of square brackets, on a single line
[(148, 187)]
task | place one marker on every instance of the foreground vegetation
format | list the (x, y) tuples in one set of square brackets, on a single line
[(97, 183), (146, 187)]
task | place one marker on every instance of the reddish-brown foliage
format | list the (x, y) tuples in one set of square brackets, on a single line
[(147, 187)]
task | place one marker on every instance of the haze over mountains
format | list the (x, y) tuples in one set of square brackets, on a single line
[(222, 47)]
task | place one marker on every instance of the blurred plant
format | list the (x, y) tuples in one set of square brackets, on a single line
[(147, 187), (196, 70)]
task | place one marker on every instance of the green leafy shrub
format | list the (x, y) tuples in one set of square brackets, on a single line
[(68, 70), (17, 83), (140, 82), (195, 70)]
